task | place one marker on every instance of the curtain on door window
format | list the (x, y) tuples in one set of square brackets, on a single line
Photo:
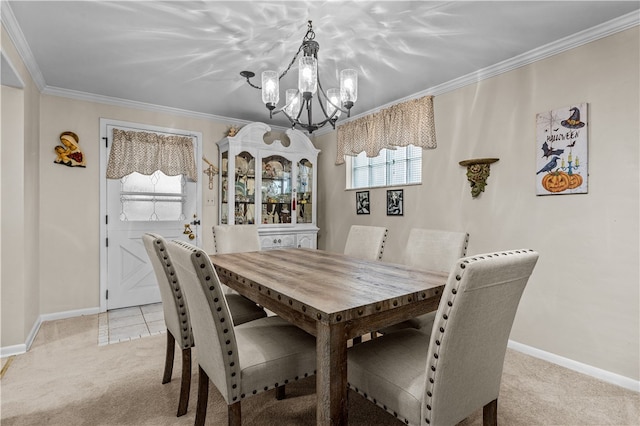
[(145, 152)]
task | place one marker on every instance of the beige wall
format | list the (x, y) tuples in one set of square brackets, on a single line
[(69, 219), (582, 301), (19, 258)]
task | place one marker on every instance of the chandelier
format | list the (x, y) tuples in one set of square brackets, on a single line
[(298, 103)]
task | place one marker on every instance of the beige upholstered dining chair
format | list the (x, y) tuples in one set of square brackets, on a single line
[(433, 250), (366, 242), (176, 314), (443, 378), (236, 238), (240, 360)]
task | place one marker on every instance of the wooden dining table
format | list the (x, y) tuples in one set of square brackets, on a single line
[(333, 297)]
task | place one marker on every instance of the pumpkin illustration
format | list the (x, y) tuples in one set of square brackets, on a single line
[(575, 181), (555, 181)]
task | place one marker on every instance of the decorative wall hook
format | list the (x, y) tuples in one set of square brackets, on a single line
[(210, 171), (477, 173)]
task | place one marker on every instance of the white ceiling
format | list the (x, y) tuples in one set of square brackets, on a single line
[(188, 54)]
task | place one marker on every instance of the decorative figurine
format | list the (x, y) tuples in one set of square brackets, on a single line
[(69, 152)]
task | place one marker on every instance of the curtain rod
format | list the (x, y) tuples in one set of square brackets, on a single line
[(150, 131)]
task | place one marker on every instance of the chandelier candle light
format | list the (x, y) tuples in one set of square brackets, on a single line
[(333, 102)]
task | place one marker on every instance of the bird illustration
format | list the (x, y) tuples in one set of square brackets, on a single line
[(550, 165), (550, 151), (571, 144)]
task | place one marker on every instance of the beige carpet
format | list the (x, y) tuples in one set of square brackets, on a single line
[(67, 379)]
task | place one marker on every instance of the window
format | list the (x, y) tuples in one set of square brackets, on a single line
[(392, 167), (155, 197)]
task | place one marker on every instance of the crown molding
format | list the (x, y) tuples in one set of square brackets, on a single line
[(126, 103), (570, 42), (605, 29), (10, 24)]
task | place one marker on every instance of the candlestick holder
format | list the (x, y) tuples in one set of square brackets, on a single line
[(571, 165)]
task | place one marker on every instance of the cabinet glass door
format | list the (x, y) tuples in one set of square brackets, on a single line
[(224, 198), (245, 189), (305, 192), (276, 190)]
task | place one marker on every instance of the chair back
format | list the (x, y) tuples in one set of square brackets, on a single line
[(236, 238), (435, 250), (174, 305), (470, 334), (217, 349), (366, 242)]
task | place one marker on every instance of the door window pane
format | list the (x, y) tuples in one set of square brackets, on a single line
[(155, 197)]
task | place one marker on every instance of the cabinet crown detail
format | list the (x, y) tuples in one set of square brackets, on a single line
[(270, 182)]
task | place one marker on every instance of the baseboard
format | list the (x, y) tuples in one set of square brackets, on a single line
[(22, 348), (589, 370), (69, 314), (8, 351)]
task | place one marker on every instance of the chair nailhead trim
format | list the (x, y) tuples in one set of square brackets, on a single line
[(186, 337), (445, 316)]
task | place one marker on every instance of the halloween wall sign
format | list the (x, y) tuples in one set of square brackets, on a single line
[(69, 153), (562, 159)]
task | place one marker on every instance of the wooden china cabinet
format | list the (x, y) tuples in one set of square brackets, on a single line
[(270, 184)]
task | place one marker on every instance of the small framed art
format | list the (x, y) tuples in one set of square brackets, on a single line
[(362, 202), (395, 200)]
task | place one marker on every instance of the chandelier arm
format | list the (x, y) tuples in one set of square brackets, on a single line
[(247, 75), (324, 111), (282, 110), (291, 120), (329, 100), (309, 111)]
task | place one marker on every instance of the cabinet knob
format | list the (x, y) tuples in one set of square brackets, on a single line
[(279, 240), (275, 241)]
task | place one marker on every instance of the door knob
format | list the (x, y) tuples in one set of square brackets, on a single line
[(188, 231)]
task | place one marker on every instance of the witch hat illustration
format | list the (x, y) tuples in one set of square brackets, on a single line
[(573, 122)]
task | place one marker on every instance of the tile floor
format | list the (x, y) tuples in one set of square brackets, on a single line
[(121, 325)]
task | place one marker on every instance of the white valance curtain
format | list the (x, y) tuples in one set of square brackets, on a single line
[(145, 152), (407, 123)]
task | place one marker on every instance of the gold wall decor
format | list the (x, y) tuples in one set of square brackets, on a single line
[(232, 131), (210, 171), (69, 153), (477, 173)]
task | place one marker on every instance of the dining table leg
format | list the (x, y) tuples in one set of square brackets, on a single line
[(331, 374)]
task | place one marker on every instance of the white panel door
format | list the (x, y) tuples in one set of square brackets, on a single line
[(137, 204)]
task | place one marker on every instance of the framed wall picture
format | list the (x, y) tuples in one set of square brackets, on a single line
[(362, 202), (562, 154), (395, 200)]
